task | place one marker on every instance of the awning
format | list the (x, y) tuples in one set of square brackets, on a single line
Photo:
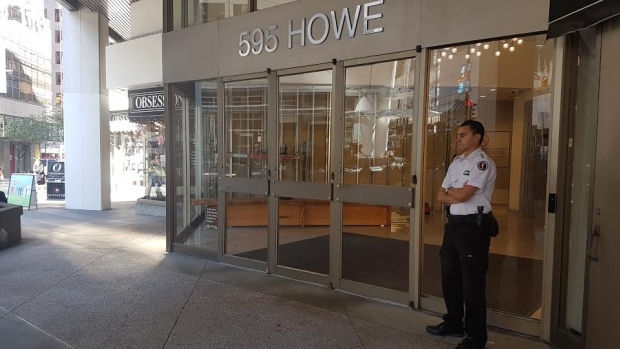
[(566, 16)]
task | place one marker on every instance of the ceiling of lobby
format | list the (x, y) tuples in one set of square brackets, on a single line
[(118, 12)]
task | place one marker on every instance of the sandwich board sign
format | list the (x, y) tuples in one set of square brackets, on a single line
[(22, 190)]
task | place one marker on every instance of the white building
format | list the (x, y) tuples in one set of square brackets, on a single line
[(25, 78)]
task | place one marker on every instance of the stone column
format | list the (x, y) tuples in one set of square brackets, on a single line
[(86, 110)]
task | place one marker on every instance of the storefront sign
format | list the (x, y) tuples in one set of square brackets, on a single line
[(56, 169), (146, 103), (55, 190), (316, 30)]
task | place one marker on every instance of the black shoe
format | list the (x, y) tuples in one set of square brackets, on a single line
[(467, 343), (444, 329)]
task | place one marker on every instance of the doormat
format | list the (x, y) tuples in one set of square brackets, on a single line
[(514, 284)]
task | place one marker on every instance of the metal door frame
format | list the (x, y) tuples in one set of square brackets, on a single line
[(494, 317), (559, 335), (372, 194), (256, 186), (294, 189)]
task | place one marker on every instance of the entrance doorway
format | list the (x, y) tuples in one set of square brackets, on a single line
[(506, 85)]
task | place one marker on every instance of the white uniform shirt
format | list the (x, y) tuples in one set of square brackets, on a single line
[(477, 170)]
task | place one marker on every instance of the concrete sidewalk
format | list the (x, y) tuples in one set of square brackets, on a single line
[(102, 280)]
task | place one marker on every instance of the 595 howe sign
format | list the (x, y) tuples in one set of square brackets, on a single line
[(267, 39)]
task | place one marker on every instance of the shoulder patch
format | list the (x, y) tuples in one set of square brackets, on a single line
[(482, 165)]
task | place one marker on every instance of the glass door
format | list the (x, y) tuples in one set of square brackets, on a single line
[(196, 166), (245, 186), (374, 190), (579, 152), (506, 85), (301, 184)]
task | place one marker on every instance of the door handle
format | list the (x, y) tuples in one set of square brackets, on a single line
[(595, 233)]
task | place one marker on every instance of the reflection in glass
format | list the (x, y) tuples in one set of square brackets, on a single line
[(304, 127), (303, 234), (247, 225), (580, 173), (246, 118), (375, 245), (214, 10), (379, 123), (197, 162), (263, 4), (510, 94), (180, 164)]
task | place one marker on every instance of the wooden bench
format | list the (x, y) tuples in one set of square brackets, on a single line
[(296, 212)]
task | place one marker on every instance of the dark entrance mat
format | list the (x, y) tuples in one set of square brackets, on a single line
[(514, 284), (366, 259)]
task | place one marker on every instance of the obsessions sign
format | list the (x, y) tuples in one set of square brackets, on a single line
[(315, 30), (148, 103)]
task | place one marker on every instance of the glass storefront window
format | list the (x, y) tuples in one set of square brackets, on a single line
[(379, 123), (506, 85), (304, 120), (246, 133), (155, 161), (196, 164), (263, 4), (188, 13)]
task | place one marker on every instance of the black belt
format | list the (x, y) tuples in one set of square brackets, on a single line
[(468, 218)]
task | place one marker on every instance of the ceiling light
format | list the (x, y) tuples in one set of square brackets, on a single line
[(450, 56), (479, 53), (454, 50), (478, 44), (512, 49), (467, 56), (443, 54), (506, 45), (497, 53), (486, 46), (438, 60), (520, 41), (493, 90), (515, 39), (363, 105), (483, 96), (472, 50)]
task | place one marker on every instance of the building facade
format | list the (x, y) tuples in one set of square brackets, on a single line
[(311, 139), (308, 139), (25, 79)]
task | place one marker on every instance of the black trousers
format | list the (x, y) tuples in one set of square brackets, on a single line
[(464, 263)]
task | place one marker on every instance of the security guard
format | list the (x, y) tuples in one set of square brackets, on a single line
[(467, 188)]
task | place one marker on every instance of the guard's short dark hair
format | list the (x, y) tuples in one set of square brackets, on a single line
[(475, 127)]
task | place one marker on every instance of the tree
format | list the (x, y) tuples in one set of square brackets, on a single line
[(25, 131)]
